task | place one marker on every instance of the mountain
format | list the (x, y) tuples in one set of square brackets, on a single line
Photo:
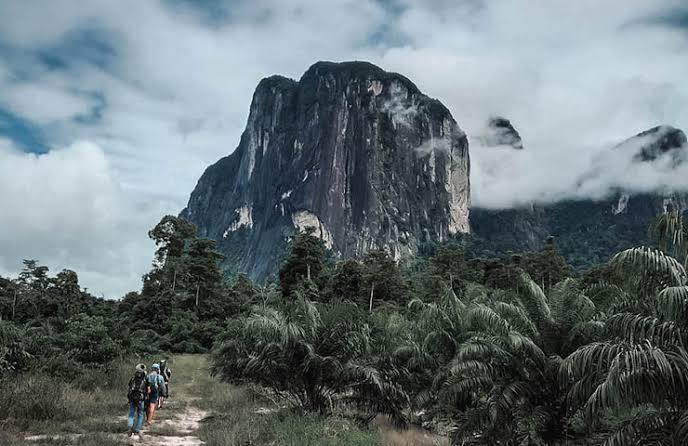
[(356, 152), (501, 132), (588, 231)]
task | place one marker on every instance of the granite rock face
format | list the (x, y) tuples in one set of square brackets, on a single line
[(358, 153)]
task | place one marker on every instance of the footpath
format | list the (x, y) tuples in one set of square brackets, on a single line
[(174, 425)]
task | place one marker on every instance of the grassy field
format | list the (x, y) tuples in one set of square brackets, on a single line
[(40, 411), (84, 412)]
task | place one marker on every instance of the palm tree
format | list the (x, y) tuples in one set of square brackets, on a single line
[(486, 358), (642, 366), (308, 355), (671, 231)]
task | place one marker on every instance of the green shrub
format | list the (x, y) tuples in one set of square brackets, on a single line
[(61, 366), (145, 342), (40, 398), (87, 339), (13, 354)]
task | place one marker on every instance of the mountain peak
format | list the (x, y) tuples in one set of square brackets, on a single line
[(499, 132), (659, 142), (357, 70), (354, 151)]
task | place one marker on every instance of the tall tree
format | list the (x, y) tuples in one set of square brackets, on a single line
[(347, 282), (383, 280), (306, 261), (547, 267)]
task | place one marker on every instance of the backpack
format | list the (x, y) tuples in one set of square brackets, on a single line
[(165, 372), (153, 383), (137, 389)]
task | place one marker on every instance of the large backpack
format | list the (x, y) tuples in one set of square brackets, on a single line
[(137, 388), (165, 372)]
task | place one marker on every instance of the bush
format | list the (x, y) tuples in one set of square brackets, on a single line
[(13, 354), (87, 339), (40, 398), (61, 366), (145, 342)]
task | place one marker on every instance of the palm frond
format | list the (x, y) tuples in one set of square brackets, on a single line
[(640, 263), (482, 316), (517, 317), (672, 302), (648, 428), (534, 300), (635, 328)]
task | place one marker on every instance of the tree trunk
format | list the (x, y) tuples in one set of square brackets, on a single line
[(174, 281), (308, 271), (372, 292), (198, 289), (14, 304)]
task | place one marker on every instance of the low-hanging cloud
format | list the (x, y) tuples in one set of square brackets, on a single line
[(511, 177)]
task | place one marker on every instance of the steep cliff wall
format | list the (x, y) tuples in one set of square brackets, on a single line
[(356, 152)]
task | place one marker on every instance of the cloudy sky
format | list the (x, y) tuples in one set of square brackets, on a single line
[(111, 110)]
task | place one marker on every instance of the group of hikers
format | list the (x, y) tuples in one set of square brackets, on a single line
[(147, 393)]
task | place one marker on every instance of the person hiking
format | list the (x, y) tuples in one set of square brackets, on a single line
[(156, 388), (166, 374), (137, 393)]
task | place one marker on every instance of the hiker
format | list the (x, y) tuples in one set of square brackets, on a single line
[(138, 391), (156, 388), (166, 374)]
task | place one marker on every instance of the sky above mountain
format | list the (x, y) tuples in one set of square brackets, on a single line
[(110, 111)]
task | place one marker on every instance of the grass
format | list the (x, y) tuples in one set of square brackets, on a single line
[(90, 405), (239, 417)]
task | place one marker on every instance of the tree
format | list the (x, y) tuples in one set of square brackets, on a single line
[(382, 279), (304, 262), (347, 282), (306, 356), (450, 264), (671, 231), (202, 266), (88, 341), (642, 363), (170, 236), (547, 267)]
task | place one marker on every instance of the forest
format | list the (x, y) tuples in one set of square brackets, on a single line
[(513, 350)]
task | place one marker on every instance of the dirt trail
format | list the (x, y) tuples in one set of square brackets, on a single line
[(174, 425), (178, 428), (179, 419)]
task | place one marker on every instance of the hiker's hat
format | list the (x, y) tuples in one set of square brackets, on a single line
[(141, 367), (155, 367)]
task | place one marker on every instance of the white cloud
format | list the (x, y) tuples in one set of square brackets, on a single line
[(64, 209), (573, 77), (44, 104)]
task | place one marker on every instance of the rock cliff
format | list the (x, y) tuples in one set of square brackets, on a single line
[(356, 152)]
